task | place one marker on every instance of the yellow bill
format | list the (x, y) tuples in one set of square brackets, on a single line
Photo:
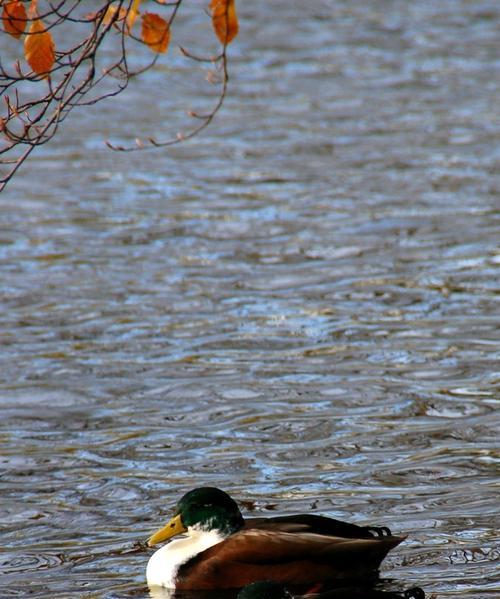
[(171, 529)]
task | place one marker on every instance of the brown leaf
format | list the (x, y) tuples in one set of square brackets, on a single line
[(39, 48), (224, 20), (14, 18), (155, 32)]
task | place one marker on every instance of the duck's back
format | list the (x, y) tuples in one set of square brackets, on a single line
[(317, 524)]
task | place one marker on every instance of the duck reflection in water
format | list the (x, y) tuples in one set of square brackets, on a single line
[(276, 590)]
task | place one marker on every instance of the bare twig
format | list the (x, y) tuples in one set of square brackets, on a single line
[(36, 103)]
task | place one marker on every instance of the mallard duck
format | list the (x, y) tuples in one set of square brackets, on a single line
[(221, 550), (267, 589)]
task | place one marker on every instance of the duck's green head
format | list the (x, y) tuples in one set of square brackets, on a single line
[(264, 589), (205, 508)]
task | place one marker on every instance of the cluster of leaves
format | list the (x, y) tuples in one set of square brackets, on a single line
[(59, 79), (39, 49)]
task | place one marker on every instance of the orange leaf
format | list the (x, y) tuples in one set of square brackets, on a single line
[(14, 18), (155, 32), (224, 19), (39, 48), (33, 10)]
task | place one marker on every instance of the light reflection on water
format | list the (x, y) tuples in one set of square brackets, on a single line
[(299, 307)]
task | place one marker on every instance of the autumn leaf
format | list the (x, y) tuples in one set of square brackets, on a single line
[(132, 13), (155, 32), (224, 20), (110, 13), (128, 14), (14, 18), (39, 48), (33, 10)]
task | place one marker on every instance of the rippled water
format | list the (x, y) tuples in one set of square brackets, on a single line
[(300, 306)]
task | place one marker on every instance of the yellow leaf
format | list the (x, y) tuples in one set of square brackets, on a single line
[(224, 20), (132, 13), (14, 18), (110, 13), (39, 48), (155, 32)]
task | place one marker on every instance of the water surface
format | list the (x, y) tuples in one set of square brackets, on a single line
[(300, 306)]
